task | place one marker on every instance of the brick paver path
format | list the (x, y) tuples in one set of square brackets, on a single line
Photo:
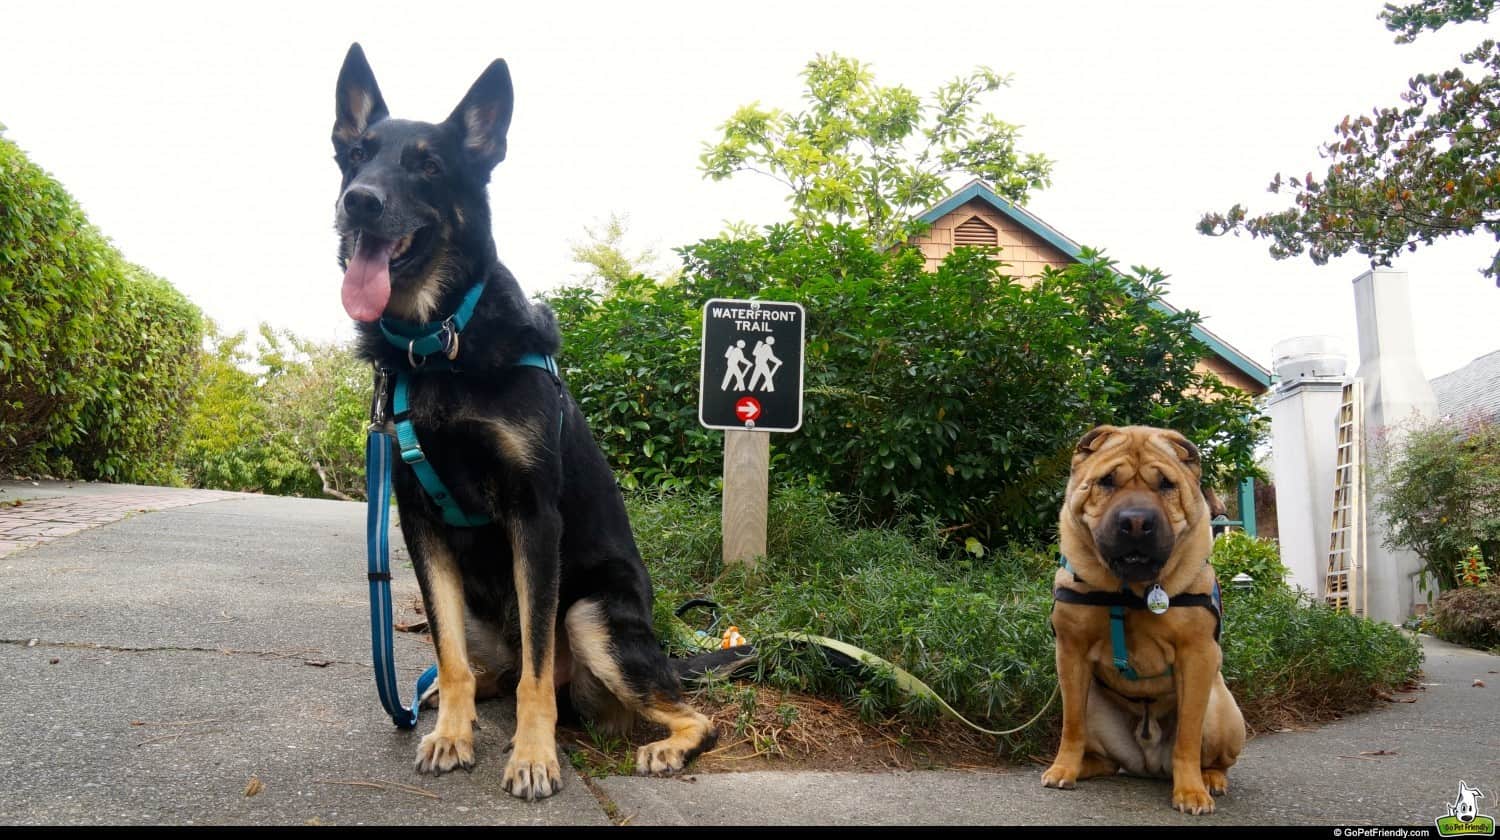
[(35, 521)]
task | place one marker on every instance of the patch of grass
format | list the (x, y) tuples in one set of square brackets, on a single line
[(596, 755), (974, 628)]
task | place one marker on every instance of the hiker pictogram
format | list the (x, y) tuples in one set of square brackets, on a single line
[(736, 367), (764, 358)]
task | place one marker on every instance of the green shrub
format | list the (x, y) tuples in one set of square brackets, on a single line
[(150, 353), (977, 632), (631, 362), (1284, 656), (955, 394), (94, 352), (319, 399), (1237, 552), (1439, 492), (57, 275), (1469, 616)]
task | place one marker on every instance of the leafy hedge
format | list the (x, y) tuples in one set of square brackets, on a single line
[(956, 394), (95, 353), (631, 362), (150, 359)]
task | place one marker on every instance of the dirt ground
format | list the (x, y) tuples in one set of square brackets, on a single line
[(826, 734)]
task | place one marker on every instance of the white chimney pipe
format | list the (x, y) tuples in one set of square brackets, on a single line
[(1304, 407), (1396, 396)]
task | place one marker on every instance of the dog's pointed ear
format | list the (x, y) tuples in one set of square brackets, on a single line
[(1093, 439), (359, 104), (484, 116)]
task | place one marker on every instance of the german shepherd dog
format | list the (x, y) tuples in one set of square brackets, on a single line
[(553, 591)]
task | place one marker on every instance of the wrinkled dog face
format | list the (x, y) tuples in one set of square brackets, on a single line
[(1136, 489)]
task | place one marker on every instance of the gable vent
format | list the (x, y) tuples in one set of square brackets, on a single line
[(975, 234)]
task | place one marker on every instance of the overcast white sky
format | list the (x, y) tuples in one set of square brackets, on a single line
[(196, 135)]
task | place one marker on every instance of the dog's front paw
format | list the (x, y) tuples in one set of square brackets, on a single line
[(1217, 782), (1194, 801), (442, 751), (1061, 776), (532, 772), (660, 758)]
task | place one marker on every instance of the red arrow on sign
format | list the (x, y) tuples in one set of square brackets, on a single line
[(748, 408)]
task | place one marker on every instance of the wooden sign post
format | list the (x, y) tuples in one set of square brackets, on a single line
[(747, 468), (750, 384)]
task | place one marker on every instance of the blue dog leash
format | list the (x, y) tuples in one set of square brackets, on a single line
[(419, 340), (378, 525)]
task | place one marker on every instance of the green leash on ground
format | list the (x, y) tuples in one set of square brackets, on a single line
[(907, 681)]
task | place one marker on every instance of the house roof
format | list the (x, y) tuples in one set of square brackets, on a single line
[(979, 190), (1473, 389)]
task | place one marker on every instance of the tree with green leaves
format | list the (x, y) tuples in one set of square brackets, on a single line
[(1402, 176), (286, 419), (607, 260), (1441, 495), (874, 156)]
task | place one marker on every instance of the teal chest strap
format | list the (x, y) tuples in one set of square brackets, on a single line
[(1119, 602), (414, 457)]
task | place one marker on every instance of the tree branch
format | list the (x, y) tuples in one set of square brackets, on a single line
[(328, 490)]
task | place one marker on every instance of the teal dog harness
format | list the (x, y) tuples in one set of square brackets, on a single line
[(434, 347), (1119, 602)]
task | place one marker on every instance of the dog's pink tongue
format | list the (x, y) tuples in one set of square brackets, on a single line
[(367, 281)]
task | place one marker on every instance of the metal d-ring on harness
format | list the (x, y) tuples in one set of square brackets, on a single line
[(420, 341), (1119, 602)]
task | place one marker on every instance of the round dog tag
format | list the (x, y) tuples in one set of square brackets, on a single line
[(1157, 600)]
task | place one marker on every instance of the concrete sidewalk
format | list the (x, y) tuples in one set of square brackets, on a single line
[(157, 665)]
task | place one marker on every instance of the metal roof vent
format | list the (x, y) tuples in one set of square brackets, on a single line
[(1308, 357)]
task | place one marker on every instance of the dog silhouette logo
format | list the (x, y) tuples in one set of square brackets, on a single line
[(1463, 818)]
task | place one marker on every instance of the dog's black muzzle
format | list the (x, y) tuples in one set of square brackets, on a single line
[(1135, 540)]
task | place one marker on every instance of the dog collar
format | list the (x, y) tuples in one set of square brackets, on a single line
[(421, 340)]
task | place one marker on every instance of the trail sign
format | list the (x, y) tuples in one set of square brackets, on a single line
[(750, 372)]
